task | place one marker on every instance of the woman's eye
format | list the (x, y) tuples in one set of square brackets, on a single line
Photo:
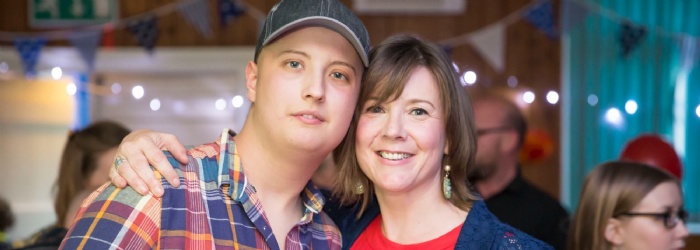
[(419, 112), (294, 64), (374, 109)]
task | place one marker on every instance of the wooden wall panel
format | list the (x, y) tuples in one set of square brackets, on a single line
[(530, 56)]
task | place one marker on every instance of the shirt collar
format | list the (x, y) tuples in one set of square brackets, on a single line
[(234, 176)]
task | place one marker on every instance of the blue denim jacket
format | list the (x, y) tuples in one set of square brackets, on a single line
[(481, 229)]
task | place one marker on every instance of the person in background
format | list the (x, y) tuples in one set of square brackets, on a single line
[(252, 190), (629, 205), (84, 167), (501, 129), (7, 220)]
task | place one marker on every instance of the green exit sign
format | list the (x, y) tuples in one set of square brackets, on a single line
[(71, 13)]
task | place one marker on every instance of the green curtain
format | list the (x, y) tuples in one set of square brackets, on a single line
[(652, 75)]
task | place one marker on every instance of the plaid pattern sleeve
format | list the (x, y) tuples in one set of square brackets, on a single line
[(114, 218), (215, 207)]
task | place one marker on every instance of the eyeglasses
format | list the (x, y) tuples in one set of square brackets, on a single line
[(670, 218), (484, 131)]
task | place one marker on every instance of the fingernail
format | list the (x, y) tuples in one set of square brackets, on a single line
[(176, 182), (159, 191)]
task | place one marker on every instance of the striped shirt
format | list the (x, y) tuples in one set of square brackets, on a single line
[(214, 208)]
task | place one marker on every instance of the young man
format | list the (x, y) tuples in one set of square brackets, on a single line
[(252, 190)]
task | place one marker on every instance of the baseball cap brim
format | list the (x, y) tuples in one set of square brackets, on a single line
[(326, 22)]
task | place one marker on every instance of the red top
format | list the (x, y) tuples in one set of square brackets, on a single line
[(373, 238)]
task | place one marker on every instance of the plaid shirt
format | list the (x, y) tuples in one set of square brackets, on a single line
[(214, 208)]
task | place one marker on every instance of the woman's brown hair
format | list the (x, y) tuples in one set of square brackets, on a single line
[(79, 161), (391, 64)]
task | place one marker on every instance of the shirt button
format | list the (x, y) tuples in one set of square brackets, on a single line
[(264, 228)]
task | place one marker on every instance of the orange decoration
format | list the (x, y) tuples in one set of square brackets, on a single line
[(537, 147)]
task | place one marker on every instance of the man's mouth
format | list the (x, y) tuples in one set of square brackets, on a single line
[(309, 116)]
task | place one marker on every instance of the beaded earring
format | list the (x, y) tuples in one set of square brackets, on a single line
[(446, 184)]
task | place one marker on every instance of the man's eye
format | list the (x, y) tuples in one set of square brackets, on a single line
[(338, 75), (294, 64)]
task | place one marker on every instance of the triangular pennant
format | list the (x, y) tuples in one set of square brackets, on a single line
[(573, 14), (29, 50), (87, 43), (107, 36), (145, 32), (197, 13), (228, 11), (542, 17), (630, 37), (489, 42), (448, 50)]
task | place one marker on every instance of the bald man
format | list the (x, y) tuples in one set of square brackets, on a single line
[(501, 128)]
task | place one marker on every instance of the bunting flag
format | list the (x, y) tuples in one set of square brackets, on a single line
[(542, 17), (29, 50), (197, 13), (145, 32), (490, 43), (228, 11), (630, 37), (108, 36), (448, 50), (87, 43), (573, 14)]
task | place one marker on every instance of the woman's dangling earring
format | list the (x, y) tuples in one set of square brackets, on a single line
[(359, 188), (446, 184)]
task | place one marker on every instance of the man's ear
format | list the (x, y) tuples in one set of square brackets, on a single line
[(251, 80), (614, 232)]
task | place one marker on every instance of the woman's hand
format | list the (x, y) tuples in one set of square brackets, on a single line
[(137, 152)]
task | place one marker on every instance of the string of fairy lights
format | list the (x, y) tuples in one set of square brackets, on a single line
[(613, 115)]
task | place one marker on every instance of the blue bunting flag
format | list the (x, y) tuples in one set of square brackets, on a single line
[(145, 32), (86, 43), (228, 11), (630, 37), (29, 50), (541, 17)]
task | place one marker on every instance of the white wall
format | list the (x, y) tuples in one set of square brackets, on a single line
[(35, 115), (186, 101), (34, 122)]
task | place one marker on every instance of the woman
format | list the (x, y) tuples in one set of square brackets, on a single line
[(409, 145), (85, 163), (412, 142), (627, 205)]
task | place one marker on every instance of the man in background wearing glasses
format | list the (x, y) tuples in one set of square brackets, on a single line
[(501, 128)]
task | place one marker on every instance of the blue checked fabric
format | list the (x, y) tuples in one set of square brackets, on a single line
[(29, 50)]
